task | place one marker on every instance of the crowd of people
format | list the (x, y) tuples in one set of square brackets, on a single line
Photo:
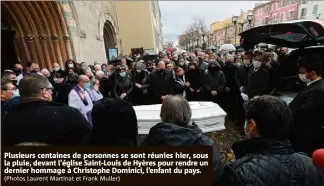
[(83, 104)]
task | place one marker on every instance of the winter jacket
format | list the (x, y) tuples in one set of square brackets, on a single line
[(123, 85), (169, 134), (160, 84), (307, 131), (214, 81), (263, 162), (7, 105), (44, 122)]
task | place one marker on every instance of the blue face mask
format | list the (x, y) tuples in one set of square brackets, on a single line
[(87, 85), (16, 94), (122, 74)]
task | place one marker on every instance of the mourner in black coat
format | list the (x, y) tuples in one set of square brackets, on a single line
[(160, 84), (232, 96), (258, 78), (241, 74), (268, 159), (194, 77), (308, 109), (123, 85), (140, 79), (214, 84)]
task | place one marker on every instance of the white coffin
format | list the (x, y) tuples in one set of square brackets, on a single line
[(207, 115)]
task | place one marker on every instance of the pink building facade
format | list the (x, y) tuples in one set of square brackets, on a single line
[(275, 11)]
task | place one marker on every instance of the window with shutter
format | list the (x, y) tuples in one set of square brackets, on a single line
[(315, 9)]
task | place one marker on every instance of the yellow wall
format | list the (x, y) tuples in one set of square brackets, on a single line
[(220, 24), (135, 25)]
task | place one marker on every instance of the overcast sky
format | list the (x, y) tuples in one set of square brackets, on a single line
[(177, 15)]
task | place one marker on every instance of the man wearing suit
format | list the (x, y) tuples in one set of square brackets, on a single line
[(258, 78), (241, 74), (307, 131)]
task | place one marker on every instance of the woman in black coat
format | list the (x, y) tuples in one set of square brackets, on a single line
[(194, 78), (64, 88), (123, 85), (140, 79)]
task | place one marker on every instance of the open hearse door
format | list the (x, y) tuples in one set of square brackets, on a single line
[(293, 34)]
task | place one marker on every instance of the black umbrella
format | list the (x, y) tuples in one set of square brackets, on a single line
[(150, 56), (118, 59)]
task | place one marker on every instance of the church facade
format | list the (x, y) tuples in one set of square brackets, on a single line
[(54, 31)]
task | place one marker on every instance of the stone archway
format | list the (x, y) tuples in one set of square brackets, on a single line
[(109, 36), (108, 31), (40, 30)]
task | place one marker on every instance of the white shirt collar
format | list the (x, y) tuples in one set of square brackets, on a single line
[(309, 83)]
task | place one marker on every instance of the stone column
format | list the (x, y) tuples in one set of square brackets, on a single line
[(44, 44), (30, 40)]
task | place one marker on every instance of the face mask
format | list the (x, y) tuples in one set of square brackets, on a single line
[(303, 78), (33, 71), (181, 63), (90, 77), (138, 71), (247, 62), (15, 94), (257, 64), (87, 85), (213, 69), (150, 69), (162, 70), (245, 129), (104, 70), (18, 72), (56, 69), (230, 64), (70, 65), (55, 80), (122, 74), (84, 67)]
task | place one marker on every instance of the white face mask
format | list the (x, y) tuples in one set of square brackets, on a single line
[(247, 62), (70, 65), (257, 64), (122, 74), (181, 63), (138, 71), (15, 94), (56, 69), (303, 78)]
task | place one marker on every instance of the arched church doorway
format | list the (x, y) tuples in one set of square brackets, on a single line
[(109, 36), (36, 31)]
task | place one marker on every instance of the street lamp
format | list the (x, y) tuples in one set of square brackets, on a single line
[(249, 18), (234, 20), (318, 16)]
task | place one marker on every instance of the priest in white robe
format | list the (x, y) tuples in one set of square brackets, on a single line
[(80, 99)]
